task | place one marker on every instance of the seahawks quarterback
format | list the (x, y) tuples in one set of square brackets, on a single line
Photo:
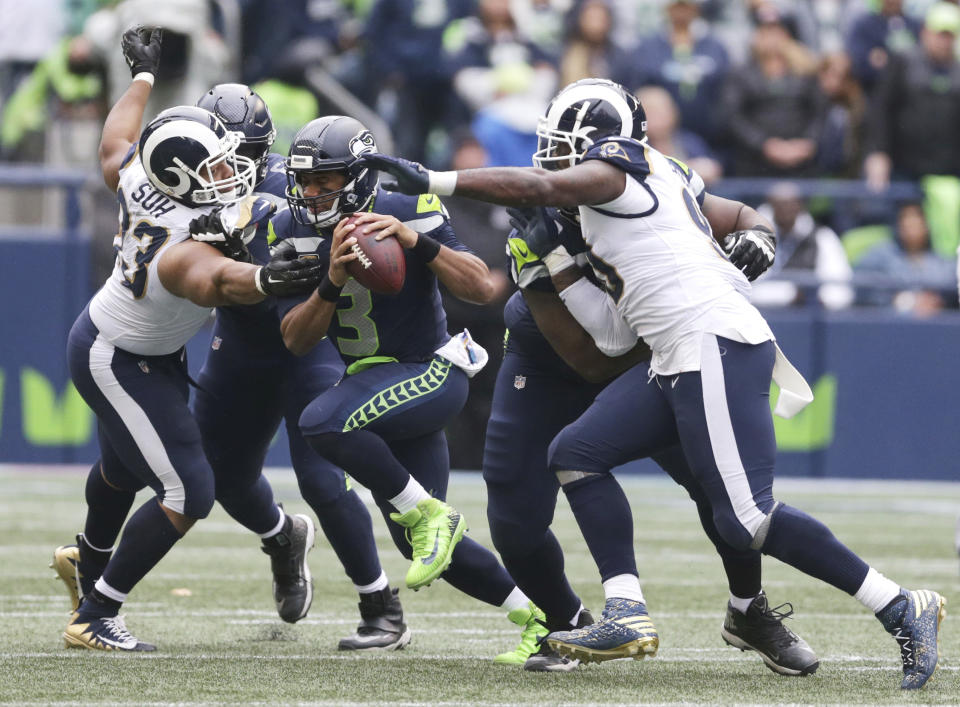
[(651, 243)]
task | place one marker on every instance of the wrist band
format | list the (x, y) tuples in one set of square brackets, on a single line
[(256, 280), (144, 76), (442, 183), (426, 248), (327, 290)]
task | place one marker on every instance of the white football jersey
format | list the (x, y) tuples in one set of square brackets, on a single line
[(133, 310), (654, 251)]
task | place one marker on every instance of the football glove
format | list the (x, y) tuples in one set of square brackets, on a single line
[(141, 49), (212, 228), (412, 177), (288, 273), (752, 251), (541, 232)]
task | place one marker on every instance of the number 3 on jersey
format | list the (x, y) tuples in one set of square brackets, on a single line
[(150, 239), (355, 317)]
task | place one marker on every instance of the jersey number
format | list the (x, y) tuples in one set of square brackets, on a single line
[(150, 239), (608, 276), (696, 215), (355, 317)]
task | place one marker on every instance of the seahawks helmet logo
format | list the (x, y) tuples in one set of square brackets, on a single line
[(362, 143)]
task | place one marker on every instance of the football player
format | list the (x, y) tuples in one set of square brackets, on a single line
[(552, 371), (248, 383), (126, 349), (406, 377), (651, 244)]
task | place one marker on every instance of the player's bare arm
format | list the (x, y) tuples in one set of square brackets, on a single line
[(572, 342), (746, 236), (591, 182), (726, 216), (464, 274), (122, 125), (201, 274), (306, 324)]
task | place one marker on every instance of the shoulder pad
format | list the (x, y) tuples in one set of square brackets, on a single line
[(623, 153), (423, 213)]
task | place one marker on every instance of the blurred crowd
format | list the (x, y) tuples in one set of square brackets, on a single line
[(759, 96)]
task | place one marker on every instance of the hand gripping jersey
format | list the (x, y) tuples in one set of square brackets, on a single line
[(654, 252), (133, 310)]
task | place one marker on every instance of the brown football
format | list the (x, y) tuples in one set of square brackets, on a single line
[(380, 265)]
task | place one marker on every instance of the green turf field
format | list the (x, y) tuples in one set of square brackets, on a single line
[(223, 644)]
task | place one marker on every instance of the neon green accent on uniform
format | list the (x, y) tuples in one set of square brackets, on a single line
[(399, 394), (49, 421), (429, 202), (271, 234), (506, 339), (368, 362), (521, 253), (681, 165), (346, 482), (813, 427), (355, 317)]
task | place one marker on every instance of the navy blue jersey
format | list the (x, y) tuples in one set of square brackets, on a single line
[(408, 326)]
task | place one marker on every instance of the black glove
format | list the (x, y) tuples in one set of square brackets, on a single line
[(751, 251), (412, 177), (537, 229), (141, 49), (288, 273)]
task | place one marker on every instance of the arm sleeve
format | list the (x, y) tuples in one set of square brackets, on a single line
[(597, 313)]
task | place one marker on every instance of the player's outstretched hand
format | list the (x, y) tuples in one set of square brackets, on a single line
[(141, 49), (412, 177), (752, 251), (535, 227), (210, 229), (288, 273)]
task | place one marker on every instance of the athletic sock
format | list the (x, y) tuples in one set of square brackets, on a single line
[(282, 523), (409, 497), (107, 509), (877, 591), (515, 600), (148, 536), (623, 586), (807, 544), (741, 604), (365, 456), (606, 521), (281, 538), (377, 585)]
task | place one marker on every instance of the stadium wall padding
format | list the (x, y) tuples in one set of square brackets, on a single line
[(887, 388)]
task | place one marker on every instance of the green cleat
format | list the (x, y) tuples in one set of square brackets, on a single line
[(533, 622), (433, 529)]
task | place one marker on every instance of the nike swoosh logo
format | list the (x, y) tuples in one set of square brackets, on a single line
[(436, 547)]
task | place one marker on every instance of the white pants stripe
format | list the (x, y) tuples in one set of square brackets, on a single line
[(722, 439), (138, 424)]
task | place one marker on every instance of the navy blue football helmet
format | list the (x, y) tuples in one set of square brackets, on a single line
[(241, 110), (330, 144), (580, 115), (182, 148)]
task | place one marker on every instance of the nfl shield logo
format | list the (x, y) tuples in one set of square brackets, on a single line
[(143, 366), (215, 344), (519, 382)]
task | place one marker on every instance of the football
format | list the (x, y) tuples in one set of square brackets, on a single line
[(380, 265)]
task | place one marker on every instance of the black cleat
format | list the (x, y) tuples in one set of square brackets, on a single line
[(761, 629), (292, 585), (381, 624), (547, 660)]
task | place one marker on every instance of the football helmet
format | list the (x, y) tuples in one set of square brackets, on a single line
[(330, 144), (183, 147), (580, 115), (241, 110)]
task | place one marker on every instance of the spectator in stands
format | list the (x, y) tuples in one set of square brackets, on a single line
[(876, 35), (840, 149), (543, 22), (774, 106), (912, 129), (405, 58), (665, 134), (922, 276), (803, 246), (504, 79), (691, 63), (590, 50)]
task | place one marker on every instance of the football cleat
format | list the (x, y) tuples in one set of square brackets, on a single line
[(433, 528), (104, 633), (761, 629), (533, 623), (66, 559), (292, 584), (623, 631), (381, 624), (913, 619), (547, 660)]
